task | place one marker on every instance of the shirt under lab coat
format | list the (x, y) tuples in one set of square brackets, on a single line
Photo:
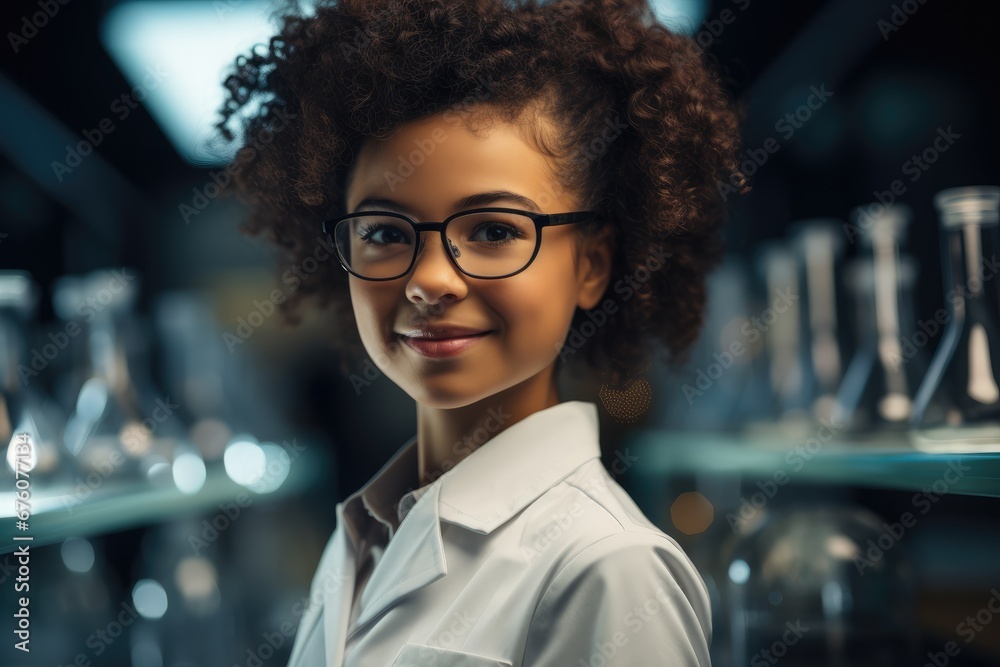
[(525, 553)]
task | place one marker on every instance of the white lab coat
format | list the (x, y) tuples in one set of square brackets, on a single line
[(526, 553)]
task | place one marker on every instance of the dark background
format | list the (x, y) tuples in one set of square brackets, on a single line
[(893, 89)]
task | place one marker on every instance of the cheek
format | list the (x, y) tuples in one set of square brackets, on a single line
[(370, 311), (536, 315)]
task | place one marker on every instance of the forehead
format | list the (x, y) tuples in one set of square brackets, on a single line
[(430, 163)]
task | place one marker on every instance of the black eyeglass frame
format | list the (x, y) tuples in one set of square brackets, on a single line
[(540, 219)]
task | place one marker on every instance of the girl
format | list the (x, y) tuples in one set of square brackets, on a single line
[(490, 176)]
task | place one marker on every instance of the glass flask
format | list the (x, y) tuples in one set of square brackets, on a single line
[(712, 390), (957, 407), (876, 395), (25, 408), (120, 427), (819, 244), (778, 322), (822, 586)]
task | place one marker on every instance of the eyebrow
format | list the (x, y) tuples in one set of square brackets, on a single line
[(472, 201)]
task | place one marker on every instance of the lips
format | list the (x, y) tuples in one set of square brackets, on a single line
[(443, 342), (443, 333)]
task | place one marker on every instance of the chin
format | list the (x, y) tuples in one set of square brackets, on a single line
[(446, 395)]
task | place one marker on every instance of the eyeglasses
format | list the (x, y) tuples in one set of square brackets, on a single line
[(485, 243)]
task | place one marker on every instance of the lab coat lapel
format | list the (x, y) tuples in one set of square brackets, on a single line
[(413, 558), (337, 585)]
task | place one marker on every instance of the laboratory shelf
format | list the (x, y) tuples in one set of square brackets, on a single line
[(887, 461), (60, 512)]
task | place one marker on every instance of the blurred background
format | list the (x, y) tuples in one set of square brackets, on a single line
[(829, 457)]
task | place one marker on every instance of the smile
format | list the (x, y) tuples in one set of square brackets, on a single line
[(443, 347)]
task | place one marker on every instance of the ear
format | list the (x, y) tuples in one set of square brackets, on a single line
[(594, 266)]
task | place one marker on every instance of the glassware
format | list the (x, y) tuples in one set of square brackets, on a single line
[(778, 321), (826, 586), (195, 370), (717, 390), (24, 406), (957, 407), (119, 425), (884, 373), (819, 243)]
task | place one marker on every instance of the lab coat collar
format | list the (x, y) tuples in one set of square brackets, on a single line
[(508, 472), (381, 494), (488, 487)]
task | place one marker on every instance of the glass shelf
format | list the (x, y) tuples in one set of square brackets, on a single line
[(58, 514), (886, 461)]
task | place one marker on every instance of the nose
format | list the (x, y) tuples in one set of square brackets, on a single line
[(434, 276)]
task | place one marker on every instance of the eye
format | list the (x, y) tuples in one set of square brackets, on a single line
[(496, 233), (380, 233)]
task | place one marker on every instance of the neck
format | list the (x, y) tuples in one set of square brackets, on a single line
[(445, 436)]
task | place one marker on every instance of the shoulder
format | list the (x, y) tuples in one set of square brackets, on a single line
[(618, 579), (633, 563), (597, 508)]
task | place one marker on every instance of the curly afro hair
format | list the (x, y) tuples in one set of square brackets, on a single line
[(361, 68)]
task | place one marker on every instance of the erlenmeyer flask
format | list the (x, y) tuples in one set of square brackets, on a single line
[(24, 407), (884, 374), (957, 407), (120, 425)]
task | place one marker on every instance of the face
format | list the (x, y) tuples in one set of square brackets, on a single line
[(524, 318)]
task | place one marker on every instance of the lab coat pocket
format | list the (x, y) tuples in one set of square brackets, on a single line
[(417, 655)]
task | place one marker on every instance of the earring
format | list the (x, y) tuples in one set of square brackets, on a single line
[(627, 401)]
